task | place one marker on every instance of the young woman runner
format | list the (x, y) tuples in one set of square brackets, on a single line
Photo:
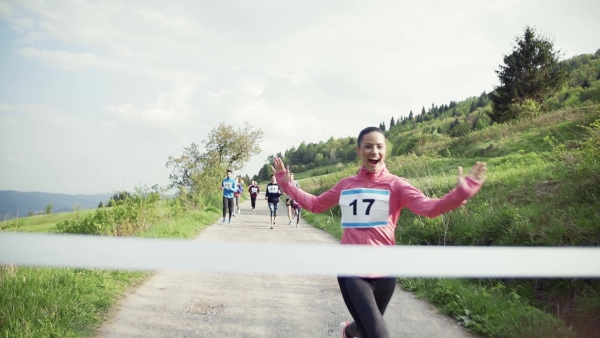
[(288, 199), (254, 190), (296, 210), (371, 202), (238, 193), (272, 197)]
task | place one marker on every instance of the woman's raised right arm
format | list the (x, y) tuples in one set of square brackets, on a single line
[(310, 202)]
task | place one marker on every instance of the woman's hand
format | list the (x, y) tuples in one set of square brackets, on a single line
[(477, 174), (279, 167)]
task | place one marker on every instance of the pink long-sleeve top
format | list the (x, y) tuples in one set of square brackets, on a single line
[(401, 195)]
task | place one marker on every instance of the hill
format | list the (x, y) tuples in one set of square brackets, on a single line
[(13, 203), (435, 129)]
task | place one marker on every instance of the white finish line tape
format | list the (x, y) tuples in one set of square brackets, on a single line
[(316, 259)]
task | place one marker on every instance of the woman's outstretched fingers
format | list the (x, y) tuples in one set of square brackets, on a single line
[(478, 171), (278, 165), (288, 177), (460, 179)]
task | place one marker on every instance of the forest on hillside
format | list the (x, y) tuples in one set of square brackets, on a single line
[(408, 132)]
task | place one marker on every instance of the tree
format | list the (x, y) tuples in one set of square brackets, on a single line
[(319, 159), (197, 175), (226, 148), (473, 106), (246, 180), (586, 84), (392, 123), (410, 115), (230, 148), (49, 208), (332, 157), (184, 166), (264, 173), (531, 72)]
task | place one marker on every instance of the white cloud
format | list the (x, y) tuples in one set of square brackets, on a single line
[(65, 60), (14, 158), (159, 75), (170, 108)]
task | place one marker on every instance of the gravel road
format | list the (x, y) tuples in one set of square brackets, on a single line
[(176, 304)]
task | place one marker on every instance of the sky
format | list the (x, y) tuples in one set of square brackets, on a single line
[(96, 95)]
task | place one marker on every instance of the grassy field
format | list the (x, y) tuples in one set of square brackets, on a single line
[(39, 223), (58, 302)]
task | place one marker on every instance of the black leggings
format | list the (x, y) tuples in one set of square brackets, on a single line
[(296, 211), (366, 300), (273, 208), (227, 203), (253, 201)]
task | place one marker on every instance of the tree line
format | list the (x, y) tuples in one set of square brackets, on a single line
[(532, 79)]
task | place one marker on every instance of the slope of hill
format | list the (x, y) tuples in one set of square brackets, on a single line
[(13, 203), (416, 132)]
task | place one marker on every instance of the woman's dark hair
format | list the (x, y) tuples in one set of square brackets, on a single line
[(367, 131)]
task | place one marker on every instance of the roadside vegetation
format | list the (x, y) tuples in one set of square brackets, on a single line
[(62, 302)]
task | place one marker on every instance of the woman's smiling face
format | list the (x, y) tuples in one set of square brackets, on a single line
[(371, 150)]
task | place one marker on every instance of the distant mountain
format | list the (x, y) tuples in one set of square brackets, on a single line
[(12, 202)]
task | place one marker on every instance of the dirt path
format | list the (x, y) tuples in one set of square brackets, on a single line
[(174, 304)]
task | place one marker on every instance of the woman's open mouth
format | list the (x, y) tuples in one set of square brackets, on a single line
[(373, 161)]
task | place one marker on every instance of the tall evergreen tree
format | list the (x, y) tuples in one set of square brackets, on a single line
[(532, 71), (392, 123), (473, 106)]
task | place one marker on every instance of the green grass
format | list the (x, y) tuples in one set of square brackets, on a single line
[(187, 226), (60, 302), (492, 312), (321, 170), (55, 302), (39, 223)]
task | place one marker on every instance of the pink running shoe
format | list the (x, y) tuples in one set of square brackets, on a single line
[(342, 327)]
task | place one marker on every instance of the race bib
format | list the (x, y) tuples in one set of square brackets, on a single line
[(253, 190), (227, 185), (364, 208), (273, 189)]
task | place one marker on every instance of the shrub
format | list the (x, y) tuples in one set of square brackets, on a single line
[(129, 216), (528, 109)]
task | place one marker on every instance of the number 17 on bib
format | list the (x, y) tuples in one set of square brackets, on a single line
[(364, 208)]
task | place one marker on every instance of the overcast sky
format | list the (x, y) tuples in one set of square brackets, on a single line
[(95, 96)]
